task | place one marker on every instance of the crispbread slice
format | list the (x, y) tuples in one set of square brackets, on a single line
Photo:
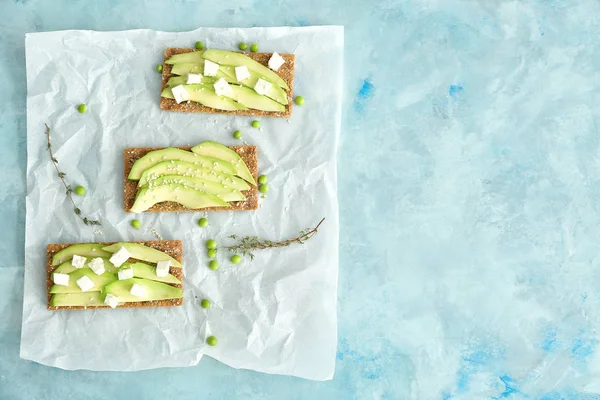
[(248, 153), (174, 248), (286, 72)]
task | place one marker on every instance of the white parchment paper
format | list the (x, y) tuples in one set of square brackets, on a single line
[(276, 314)]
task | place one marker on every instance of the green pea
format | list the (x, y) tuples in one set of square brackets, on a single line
[(212, 253), (82, 108), (80, 191), (205, 303), (299, 100), (211, 244), (235, 259), (256, 124), (200, 45), (213, 264), (237, 134), (262, 179), (211, 341), (243, 46), (136, 224), (264, 188), (159, 68), (254, 47), (203, 222)]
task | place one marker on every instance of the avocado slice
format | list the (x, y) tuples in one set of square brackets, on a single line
[(67, 267), (141, 270), (225, 72), (248, 97), (205, 95), (191, 57), (143, 253), (155, 157), (182, 80), (225, 57), (83, 249), (99, 281), (188, 68), (186, 196), (77, 299), (154, 290), (217, 150), (176, 167), (221, 191)]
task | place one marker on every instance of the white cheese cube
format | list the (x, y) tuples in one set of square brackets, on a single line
[(125, 273), (276, 61), (78, 261), (210, 68), (111, 300), (194, 79), (162, 268), (222, 87), (97, 265), (85, 283), (262, 86), (120, 257), (180, 93), (242, 73), (137, 290), (61, 279)]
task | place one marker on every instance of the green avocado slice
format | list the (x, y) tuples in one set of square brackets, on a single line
[(221, 191), (182, 80), (143, 253), (83, 249), (77, 299), (67, 267), (154, 290), (205, 95), (99, 281), (251, 99), (155, 157), (225, 72), (186, 196), (191, 57), (141, 270), (217, 150), (183, 168), (224, 57)]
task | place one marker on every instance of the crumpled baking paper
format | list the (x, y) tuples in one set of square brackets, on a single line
[(275, 314)]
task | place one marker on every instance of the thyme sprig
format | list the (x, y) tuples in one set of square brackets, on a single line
[(69, 190), (247, 244)]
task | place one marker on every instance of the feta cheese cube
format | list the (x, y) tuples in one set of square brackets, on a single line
[(78, 261), (262, 86), (137, 290), (120, 257), (180, 94), (85, 283), (276, 61), (242, 73), (97, 265), (61, 279), (194, 79), (111, 300), (210, 68), (162, 268), (125, 273), (222, 87)]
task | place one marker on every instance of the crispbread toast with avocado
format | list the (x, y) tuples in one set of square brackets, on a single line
[(172, 248), (249, 154), (286, 72)]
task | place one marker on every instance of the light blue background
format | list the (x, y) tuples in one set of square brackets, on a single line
[(470, 224)]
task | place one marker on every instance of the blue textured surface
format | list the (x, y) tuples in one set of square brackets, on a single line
[(469, 200)]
